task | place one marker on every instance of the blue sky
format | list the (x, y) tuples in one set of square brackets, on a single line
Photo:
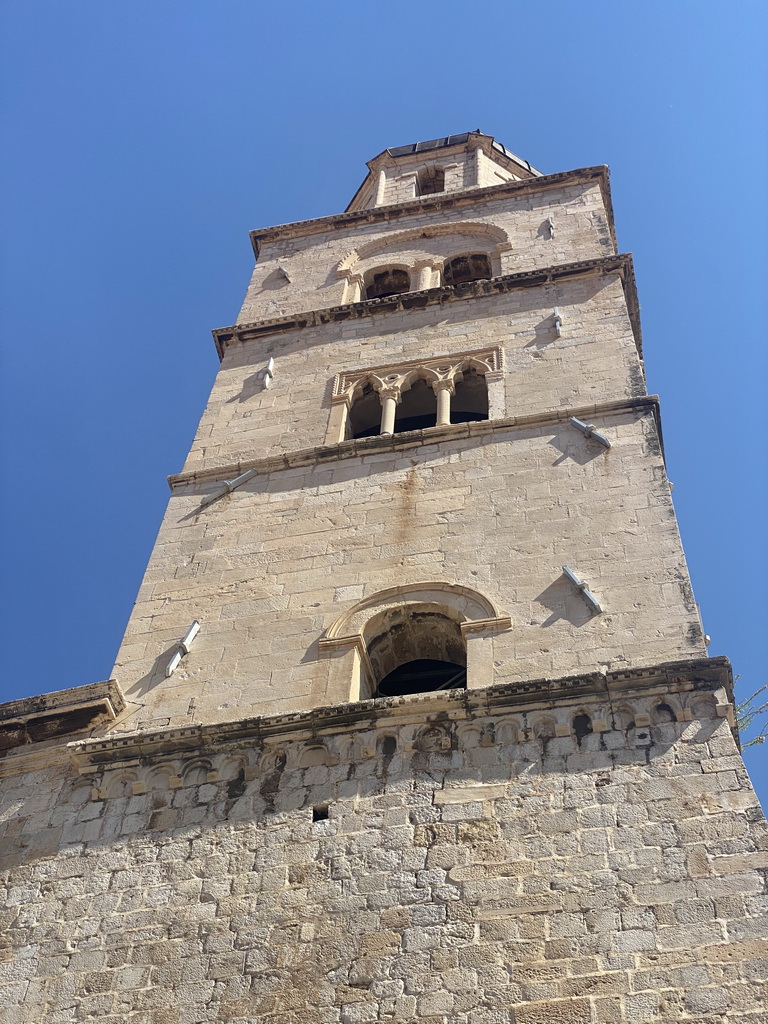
[(144, 140)]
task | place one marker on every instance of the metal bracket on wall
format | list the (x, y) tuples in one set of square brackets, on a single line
[(182, 648), (226, 487), (580, 585), (558, 321), (588, 430)]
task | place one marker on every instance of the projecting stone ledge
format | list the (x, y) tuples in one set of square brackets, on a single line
[(61, 713), (708, 675)]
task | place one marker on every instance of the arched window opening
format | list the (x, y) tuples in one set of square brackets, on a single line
[(365, 414), (380, 284), (582, 727), (459, 270), (470, 402), (429, 181), (388, 746), (417, 409), (663, 713), (416, 650)]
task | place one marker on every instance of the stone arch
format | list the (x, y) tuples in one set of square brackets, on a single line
[(468, 603), (160, 776), (466, 267), (386, 744), (509, 731), (497, 239), (381, 282), (195, 772), (313, 755), (664, 711), (544, 727), (413, 648), (625, 716), (581, 725), (433, 739), (455, 624), (120, 784)]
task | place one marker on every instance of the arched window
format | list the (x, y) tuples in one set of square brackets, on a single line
[(429, 181), (470, 402), (417, 409), (379, 284), (365, 414), (474, 267), (415, 649)]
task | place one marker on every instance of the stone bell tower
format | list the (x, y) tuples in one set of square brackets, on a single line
[(413, 719)]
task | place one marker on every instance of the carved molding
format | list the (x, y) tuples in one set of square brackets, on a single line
[(632, 703), (377, 246), (449, 368), (469, 603)]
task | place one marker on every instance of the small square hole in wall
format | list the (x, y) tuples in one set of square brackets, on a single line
[(320, 812)]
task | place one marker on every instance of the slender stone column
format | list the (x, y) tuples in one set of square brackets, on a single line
[(390, 399), (425, 275), (381, 184), (443, 389)]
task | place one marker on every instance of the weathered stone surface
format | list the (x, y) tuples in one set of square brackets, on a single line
[(241, 904), (570, 839)]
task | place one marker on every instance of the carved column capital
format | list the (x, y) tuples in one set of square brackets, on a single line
[(444, 384), (390, 391)]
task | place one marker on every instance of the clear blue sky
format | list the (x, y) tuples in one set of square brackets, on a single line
[(143, 141)]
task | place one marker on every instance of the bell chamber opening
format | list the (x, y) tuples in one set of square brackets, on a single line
[(416, 649)]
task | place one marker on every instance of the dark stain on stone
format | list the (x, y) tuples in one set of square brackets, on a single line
[(637, 387), (271, 782)]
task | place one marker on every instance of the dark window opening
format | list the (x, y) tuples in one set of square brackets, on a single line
[(470, 403), (664, 713), (417, 409), (417, 651), (320, 812), (582, 727), (388, 746), (429, 181), (461, 269), (365, 414), (383, 283), (422, 676)]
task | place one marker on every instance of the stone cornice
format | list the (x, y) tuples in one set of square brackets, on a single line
[(441, 200), (620, 264), (708, 674), (29, 727), (413, 439)]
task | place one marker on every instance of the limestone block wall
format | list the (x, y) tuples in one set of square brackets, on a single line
[(298, 265), (460, 170), (430, 862), (594, 360), (268, 568)]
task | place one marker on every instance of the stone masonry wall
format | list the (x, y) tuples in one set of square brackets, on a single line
[(268, 568), (473, 868), (310, 260), (594, 360)]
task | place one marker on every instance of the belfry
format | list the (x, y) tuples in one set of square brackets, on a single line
[(413, 720)]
